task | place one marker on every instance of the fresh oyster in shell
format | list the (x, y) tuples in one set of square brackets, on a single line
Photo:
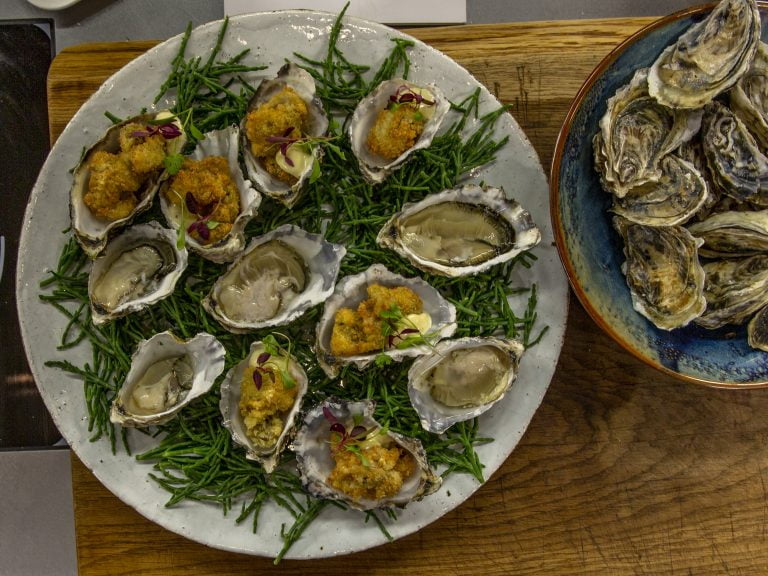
[(374, 167), (315, 126), (749, 98), (352, 290), (267, 453), (166, 374), (735, 161), (635, 133), (679, 193), (314, 457), (735, 289), (460, 232), (280, 275), (662, 268), (462, 379), (708, 58), (223, 143), (91, 231), (138, 268), (732, 234)]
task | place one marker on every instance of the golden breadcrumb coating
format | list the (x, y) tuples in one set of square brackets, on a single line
[(360, 331), (373, 474), (111, 187), (284, 110), (395, 131), (210, 183), (263, 410)]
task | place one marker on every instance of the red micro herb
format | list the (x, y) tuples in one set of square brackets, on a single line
[(284, 142), (344, 440), (260, 369), (168, 131), (404, 95)]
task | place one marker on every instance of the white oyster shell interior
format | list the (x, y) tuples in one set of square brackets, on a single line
[(166, 374)]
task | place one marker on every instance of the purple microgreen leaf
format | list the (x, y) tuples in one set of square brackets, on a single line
[(358, 431), (192, 204), (328, 414), (169, 131), (408, 331), (257, 379), (263, 357), (339, 428)]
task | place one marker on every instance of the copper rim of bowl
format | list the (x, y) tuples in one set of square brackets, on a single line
[(554, 197)]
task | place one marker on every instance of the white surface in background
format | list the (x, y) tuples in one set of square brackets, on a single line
[(53, 4), (37, 527), (384, 11)]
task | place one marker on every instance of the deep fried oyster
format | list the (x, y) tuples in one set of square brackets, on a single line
[(263, 409), (116, 179), (395, 131), (360, 331), (214, 195), (371, 473)]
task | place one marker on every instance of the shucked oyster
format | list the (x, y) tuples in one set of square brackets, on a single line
[(282, 115), (344, 454), (139, 267), (166, 374), (260, 401), (709, 58), (210, 199), (663, 272), (118, 177), (348, 335), (461, 379), (461, 231), (279, 277), (396, 119), (635, 133)]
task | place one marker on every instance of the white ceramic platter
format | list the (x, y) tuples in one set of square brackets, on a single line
[(273, 37)]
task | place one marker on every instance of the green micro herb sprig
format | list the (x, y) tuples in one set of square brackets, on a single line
[(194, 458)]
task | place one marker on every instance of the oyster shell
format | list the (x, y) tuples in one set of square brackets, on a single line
[(635, 133), (665, 278), (735, 289), (281, 275), (680, 192), (732, 234), (138, 268), (352, 290), (374, 166), (734, 159), (166, 374), (102, 166), (224, 144), (321, 432), (461, 379), (757, 330), (313, 125), (708, 58), (749, 97), (461, 231), (260, 444)]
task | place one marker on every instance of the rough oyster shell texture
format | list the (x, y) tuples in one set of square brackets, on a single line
[(233, 419), (462, 379), (460, 232), (351, 290), (315, 462), (286, 271), (138, 268), (290, 75), (376, 168), (91, 231), (166, 374)]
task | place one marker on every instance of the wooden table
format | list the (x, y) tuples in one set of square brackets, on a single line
[(622, 471)]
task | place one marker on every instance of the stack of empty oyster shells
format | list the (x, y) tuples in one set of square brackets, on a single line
[(682, 150)]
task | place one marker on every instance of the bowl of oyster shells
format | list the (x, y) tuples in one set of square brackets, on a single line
[(659, 194)]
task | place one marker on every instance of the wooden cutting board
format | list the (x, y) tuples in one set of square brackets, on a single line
[(622, 470)]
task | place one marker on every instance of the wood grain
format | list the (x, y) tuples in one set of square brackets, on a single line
[(623, 470)]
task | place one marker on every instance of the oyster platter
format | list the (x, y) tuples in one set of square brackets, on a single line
[(315, 289)]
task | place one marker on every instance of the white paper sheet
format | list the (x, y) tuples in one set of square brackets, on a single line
[(385, 11)]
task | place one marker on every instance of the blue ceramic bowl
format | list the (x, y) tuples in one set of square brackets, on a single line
[(591, 250)]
